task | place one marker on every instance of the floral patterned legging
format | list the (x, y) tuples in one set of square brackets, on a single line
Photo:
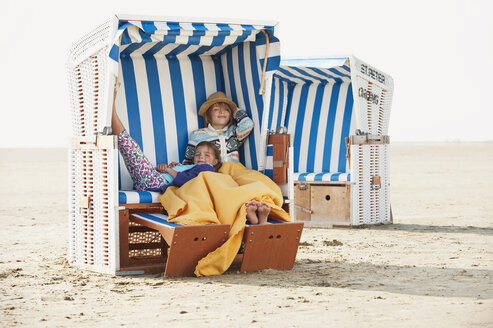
[(143, 173)]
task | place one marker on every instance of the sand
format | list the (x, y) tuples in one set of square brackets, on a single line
[(432, 267)]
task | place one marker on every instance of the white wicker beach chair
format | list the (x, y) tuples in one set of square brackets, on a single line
[(167, 67), (330, 105)]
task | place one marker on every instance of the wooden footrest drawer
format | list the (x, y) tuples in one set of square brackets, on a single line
[(322, 204)]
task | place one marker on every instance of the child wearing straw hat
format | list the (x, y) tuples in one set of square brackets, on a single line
[(226, 126)]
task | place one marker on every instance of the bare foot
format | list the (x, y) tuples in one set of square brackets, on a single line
[(263, 210), (251, 210)]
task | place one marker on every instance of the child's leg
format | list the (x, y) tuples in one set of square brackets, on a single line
[(251, 209), (143, 173), (263, 212), (116, 125)]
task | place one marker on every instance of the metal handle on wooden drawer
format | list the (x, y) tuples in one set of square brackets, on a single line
[(304, 209)]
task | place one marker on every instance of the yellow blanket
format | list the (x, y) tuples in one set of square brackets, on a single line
[(219, 198)]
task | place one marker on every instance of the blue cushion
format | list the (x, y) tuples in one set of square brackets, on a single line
[(323, 176), (137, 197)]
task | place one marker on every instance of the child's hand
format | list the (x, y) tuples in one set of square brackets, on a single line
[(171, 172), (173, 164), (162, 168)]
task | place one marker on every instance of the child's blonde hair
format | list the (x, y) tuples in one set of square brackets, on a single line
[(215, 150)]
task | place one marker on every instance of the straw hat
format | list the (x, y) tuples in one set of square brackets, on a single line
[(217, 97)]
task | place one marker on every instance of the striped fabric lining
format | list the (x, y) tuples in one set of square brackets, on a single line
[(316, 106), (305, 176), (163, 86), (269, 162), (137, 197), (196, 38), (340, 177), (161, 219), (313, 75)]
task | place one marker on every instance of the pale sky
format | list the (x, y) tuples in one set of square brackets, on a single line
[(440, 54)]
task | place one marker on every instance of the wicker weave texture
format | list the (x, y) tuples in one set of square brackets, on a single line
[(86, 71), (92, 228), (87, 93), (90, 44), (143, 237), (93, 231), (370, 203)]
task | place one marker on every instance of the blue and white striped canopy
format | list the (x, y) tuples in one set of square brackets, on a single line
[(297, 74), (167, 70), (315, 104), (193, 39)]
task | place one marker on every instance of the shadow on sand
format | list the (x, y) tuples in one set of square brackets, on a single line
[(411, 280), (430, 228)]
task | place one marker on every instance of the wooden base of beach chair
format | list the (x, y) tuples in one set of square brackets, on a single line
[(186, 244), (142, 249), (320, 204), (270, 246)]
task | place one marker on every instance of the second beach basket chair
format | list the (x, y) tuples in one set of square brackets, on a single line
[(336, 113)]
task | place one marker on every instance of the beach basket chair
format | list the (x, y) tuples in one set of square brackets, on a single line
[(336, 112), (167, 67)]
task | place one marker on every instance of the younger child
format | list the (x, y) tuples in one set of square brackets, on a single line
[(206, 158)]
